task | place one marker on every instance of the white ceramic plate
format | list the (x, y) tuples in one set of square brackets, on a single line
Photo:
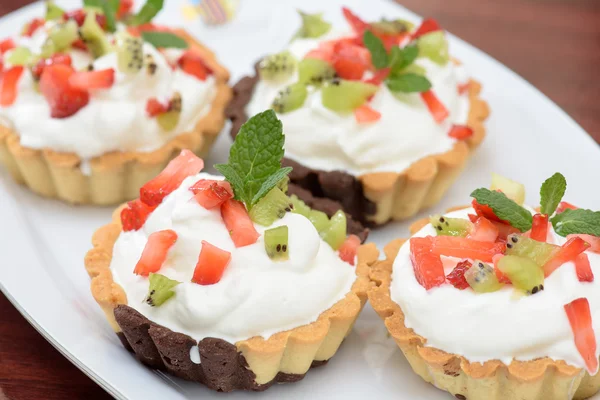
[(43, 242)]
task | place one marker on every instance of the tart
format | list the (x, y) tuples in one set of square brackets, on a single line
[(497, 300), (215, 283), (378, 117), (93, 103)]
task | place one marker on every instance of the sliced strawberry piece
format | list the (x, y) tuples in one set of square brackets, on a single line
[(212, 262), (79, 17), (502, 278), (63, 99), (583, 268), (580, 318), (457, 276), (56, 59), (428, 267), (358, 25), (125, 7), (539, 228), (567, 252), (460, 247), (463, 88), (460, 132), (594, 241), (473, 218), (320, 55), (348, 249), (427, 26), (80, 45), (155, 107), (504, 230), (33, 26), (238, 223), (435, 106), (134, 216), (8, 85), (6, 45), (88, 80), (182, 166), (485, 211), (191, 63), (365, 114), (484, 231), (210, 194), (349, 68), (155, 252), (563, 205), (379, 76)]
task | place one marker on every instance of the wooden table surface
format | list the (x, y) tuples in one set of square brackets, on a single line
[(554, 44)]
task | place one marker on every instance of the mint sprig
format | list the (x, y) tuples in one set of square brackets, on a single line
[(402, 58), (408, 83), (379, 55), (164, 40), (254, 166), (551, 193), (147, 12), (580, 221), (504, 208)]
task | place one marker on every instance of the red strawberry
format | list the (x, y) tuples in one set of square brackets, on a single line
[(583, 268), (485, 211), (182, 166), (379, 76), (428, 267), (155, 107), (457, 276), (212, 262), (8, 85), (348, 249), (567, 252), (435, 106), (503, 229), (320, 55), (6, 45), (210, 194), (80, 45), (580, 318), (460, 247), (358, 25), (502, 278), (79, 17), (365, 114), (427, 26), (594, 241), (33, 26), (349, 60), (60, 58), (539, 228), (88, 80), (484, 231), (238, 223), (125, 7), (463, 88), (563, 205), (63, 99), (192, 64), (155, 252), (135, 215), (460, 132)]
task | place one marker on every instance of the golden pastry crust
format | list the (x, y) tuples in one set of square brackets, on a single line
[(116, 176), (540, 379), (289, 352)]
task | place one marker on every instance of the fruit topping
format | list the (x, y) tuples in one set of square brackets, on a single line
[(135, 215), (94, 37), (9, 80), (299, 207), (125, 7), (160, 289), (350, 61), (435, 106), (567, 252), (182, 166), (169, 119), (62, 36), (53, 11), (211, 194), (30, 28), (276, 243), (313, 26), (450, 226), (238, 223), (56, 59), (155, 107), (271, 207), (358, 25), (524, 274), (539, 227), (20, 56), (563, 205), (314, 71), (6, 45), (428, 267), (379, 76), (451, 246), (427, 26), (63, 99), (513, 190), (460, 132), (484, 211), (502, 278), (482, 278), (538, 252), (290, 98), (365, 114), (583, 268), (335, 234), (155, 252), (277, 67), (457, 276), (212, 262), (348, 249), (484, 231), (434, 46), (130, 53), (319, 219), (345, 96), (88, 80), (580, 318), (392, 27), (594, 241), (193, 64)]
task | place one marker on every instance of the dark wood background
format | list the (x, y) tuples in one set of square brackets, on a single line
[(554, 44)]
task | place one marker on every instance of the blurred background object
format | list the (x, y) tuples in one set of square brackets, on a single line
[(212, 12)]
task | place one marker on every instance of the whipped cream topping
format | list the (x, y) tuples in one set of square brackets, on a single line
[(497, 325), (255, 297), (323, 139), (115, 119)]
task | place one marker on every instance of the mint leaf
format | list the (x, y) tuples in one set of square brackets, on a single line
[(408, 83), (236, 181), (552, 191), (379, 55), (577, 221), (504, 208), (147, 12), (164, 40), (270, 183), (402, 58)]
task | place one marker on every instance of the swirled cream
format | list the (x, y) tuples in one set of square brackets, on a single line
[(497, 325), (115, 119), (255, 297), (326, 140)]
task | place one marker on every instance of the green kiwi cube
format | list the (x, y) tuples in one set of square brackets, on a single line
[(313, 71), (160, 290), (482, 278), (538, 252), (313, 25), (94, 36), (445, 226), (299, 207), (271, 207), (524, 273), (277, 67), (344, 96), (130, 53), (276, 243), (335, 235), (435, 47), (20, 56), (290, 98)]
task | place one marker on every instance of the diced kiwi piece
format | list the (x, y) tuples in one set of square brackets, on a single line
[(313, 25), (48, 49), (336, 232), (538, 252), (393, 27), (482, 278), (434, 46), (313, 71), (276, 243), (94, 36), (130, 53), (299, 206), (160, 290), (513, 190), (20, 56), (63, 35), (271, 207), (168, 120), (283, 184), (344, 96), (277, 67), (414, 69), (524, 273), (290, 98), (450, 226), (53, 11), (319, 219)]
